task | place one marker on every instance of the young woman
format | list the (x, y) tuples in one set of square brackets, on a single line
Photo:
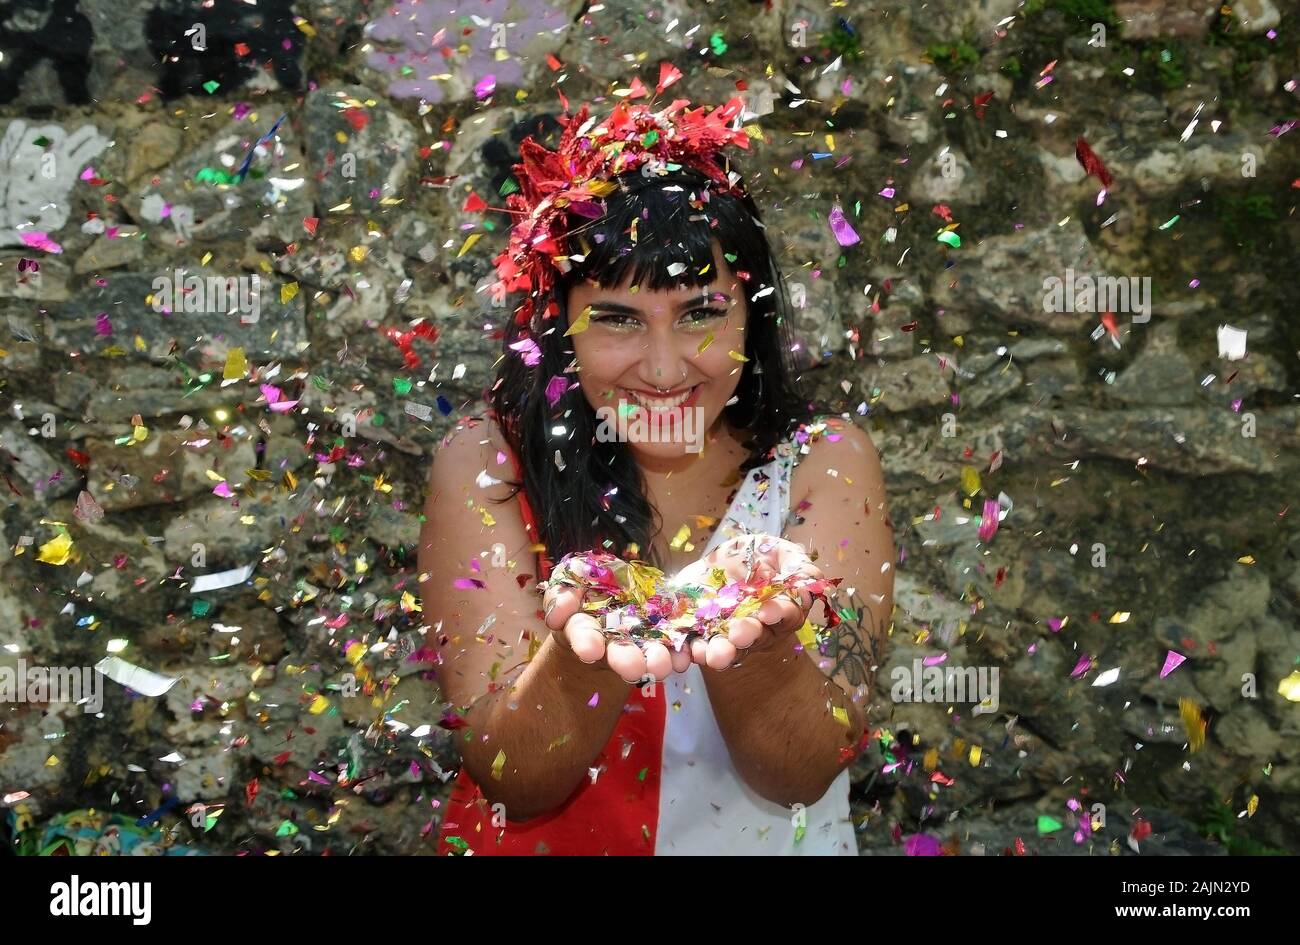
[(652, 289)]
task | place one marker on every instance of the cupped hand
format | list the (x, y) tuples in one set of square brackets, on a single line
[(581, 633), (757, 559)]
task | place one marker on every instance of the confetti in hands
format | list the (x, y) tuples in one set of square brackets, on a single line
[(748, 591)]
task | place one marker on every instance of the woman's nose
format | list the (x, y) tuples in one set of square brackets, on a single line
[(665, 364)]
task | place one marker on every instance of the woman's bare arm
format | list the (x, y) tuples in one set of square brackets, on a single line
[(531, 733)]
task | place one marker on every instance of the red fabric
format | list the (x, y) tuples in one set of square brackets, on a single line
[(618, 815)]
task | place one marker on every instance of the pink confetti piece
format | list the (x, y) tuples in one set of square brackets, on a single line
[(920, 844), (88, 173), (935, 660), (1081, 667), (467, 584), (989, 523), (275, 399), (223, 489), (485, 86), (595, 698), (845, 235), (1172, 662), (528, 349), (42, 241), (1055, 623)]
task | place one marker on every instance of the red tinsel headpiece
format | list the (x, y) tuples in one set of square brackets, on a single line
[(573, 179)]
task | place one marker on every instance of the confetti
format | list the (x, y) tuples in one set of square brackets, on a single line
[(845, 235)]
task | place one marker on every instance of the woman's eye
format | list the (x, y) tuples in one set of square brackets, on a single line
[(704, 314), (617, 321)]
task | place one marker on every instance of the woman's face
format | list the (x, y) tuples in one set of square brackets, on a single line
[(667, 361)]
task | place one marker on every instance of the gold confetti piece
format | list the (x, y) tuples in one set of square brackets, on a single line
[(57, 550), (680, 538), (207, 258), (1119, 616), (498, 763), (318, 705), (287, 292), (469, 241), (1194, 722), (708, 340), (581, 323), (806, 635), (488, 520), (840, 715), (970, 480), (1289, 688), (1246, 559), (52, 761), (140, 344), (975, 753), (236, 364), (736, 355), (1252, 805), (931, 760)]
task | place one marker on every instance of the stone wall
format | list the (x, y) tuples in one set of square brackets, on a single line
[(274, 445)]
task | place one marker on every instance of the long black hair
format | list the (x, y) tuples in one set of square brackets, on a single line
[(588, 494)]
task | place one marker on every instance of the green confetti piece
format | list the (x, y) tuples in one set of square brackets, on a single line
[(799, 831), (286, 829), (509, 187), (459, 843), (377, 420), (211, 86), (949, 238), (319, 382), (1048, 824), (649, 138), (401, 385), (640, 775), (717, 43), (1168, 224), (200, 608), (42, 142)]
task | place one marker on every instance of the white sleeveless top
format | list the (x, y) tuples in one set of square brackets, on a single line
[(705, 808)]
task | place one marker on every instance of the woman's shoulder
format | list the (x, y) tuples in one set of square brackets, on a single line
[(829, 442), (475, 449)]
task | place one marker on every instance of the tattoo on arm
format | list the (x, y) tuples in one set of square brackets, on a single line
[(855, 646)]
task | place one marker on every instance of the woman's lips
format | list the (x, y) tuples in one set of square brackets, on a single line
[(663, 403)]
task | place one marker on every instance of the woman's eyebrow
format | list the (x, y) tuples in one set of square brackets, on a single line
[(620, 309)]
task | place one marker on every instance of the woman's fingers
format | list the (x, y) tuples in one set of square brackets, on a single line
[(681, 659), (742, 633), (585, 637), (720, 654), (627, 660), (658, 661), (699, 648), (559, 603), (781, 615)]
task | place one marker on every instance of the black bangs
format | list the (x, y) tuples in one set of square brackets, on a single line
[(650, 230)]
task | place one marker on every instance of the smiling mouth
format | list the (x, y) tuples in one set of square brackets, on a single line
[(659, 404)]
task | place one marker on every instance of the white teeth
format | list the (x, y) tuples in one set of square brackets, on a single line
[(660, 404)]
